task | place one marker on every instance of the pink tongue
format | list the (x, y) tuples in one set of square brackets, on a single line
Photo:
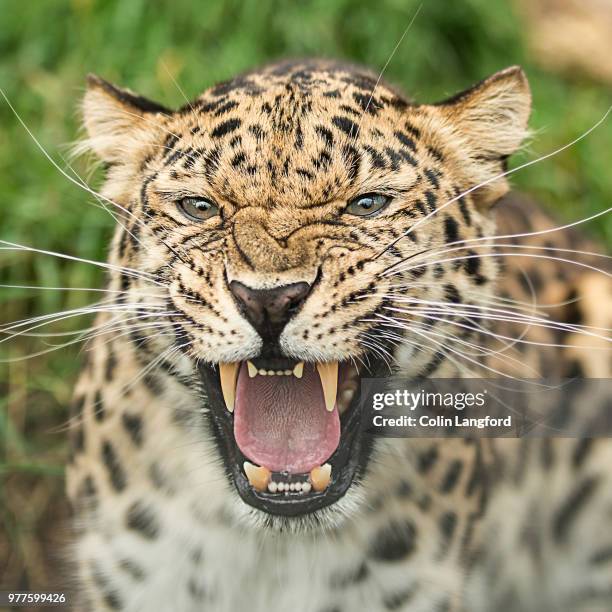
[(280, 422)]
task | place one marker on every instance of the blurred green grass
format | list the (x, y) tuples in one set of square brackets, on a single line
[(48, 46)]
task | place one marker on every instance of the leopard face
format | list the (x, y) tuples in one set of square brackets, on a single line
[(281, 215)]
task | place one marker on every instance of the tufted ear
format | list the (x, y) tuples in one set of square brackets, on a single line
[(490, 119), (116, 119)]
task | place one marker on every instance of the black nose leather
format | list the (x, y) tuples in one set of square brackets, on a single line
[(269, 310)]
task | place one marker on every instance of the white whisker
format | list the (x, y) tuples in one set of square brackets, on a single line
[(490, 243), (493, 255), (384, 68), (11, 246)]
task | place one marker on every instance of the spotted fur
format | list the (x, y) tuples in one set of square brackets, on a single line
[(432, 526)]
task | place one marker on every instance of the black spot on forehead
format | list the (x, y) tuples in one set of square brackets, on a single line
[(326, 135), (394, 157), (235, 141), (395, 101), (435, 153), (225, 108), (346, 125), (238, 159), (322, 161), (204, 106), (361, 81), (239, 83), (411, 129), (378, 161), (257, 131), (350, 110), (226, 127), (368, 103), (405, 140), (334, 93)]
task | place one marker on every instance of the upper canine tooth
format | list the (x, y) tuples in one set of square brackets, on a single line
[(328, 372), (252, 369), (320, 477), (259, 477), (298, 371), (228, 375)]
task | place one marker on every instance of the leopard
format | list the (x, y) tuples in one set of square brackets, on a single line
[(279, 239)]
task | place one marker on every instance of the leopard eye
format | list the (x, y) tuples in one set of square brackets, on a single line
[(198, 209), (367, 205)]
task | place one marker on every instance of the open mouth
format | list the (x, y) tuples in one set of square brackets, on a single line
[(289, 432)]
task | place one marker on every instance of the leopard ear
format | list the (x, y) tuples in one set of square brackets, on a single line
[(117, 119), (490, 120)]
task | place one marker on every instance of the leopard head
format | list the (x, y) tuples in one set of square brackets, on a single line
[(290, 215)]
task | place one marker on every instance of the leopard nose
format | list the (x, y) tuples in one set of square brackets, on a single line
[(269, 310)]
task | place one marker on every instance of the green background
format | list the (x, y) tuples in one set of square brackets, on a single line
[(48, 46)]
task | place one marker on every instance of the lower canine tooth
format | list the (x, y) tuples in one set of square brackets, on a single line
[(252, 369), (259, 477), (320, 477), (298, 371), (228, 375)]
